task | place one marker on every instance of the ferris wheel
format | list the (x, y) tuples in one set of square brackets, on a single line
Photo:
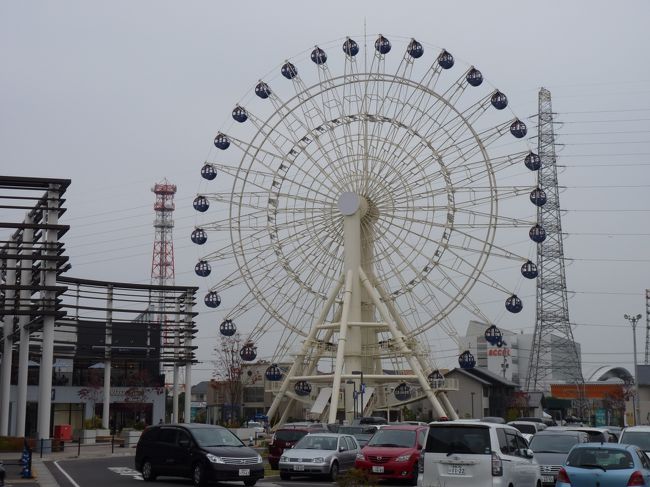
[(360, 191)]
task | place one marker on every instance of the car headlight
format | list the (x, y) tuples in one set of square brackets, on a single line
[(284, 458), (319, 460), (259, 458), (361, 456), (403, 458), (214, 458)]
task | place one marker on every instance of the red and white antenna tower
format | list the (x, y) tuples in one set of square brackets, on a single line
[(162, 263)]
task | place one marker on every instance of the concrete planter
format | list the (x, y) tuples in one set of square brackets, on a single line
[(130, 437), (87, 437)]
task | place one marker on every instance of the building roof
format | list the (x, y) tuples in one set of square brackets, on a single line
[(201, 387), (467, 374), (491, 377)]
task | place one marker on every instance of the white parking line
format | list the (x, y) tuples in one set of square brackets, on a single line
[(56, 464)]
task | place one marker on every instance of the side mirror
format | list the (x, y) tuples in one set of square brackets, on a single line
[(528, 453), (341, 448)]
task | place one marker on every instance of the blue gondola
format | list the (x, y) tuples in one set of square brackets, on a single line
[(212, 299), (538, 197), (273, 373), (493, 335), (445, 59), (402, 392), (199, 236), (288, 70), (318, 56), (466, 360), (202, 268), (533, 161), (435, 377), (239, 114), (208, 172), (499, 100), (518, 129), (382, 45), (350, 47), (474, 77), (221, 141), (537, 233), (227, 328), (248, 352), (415, 49), (262, 90), (514, 304), (302, 388), (201, 204), (529, 270)]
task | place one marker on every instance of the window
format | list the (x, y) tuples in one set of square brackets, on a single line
[(600, 458), (503, 441), (343, 444), (511, 443), (458, 439), (403, 438), (168, 435), (644, 459), (253, 394)]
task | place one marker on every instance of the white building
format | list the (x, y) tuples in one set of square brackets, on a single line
[(511, 359)]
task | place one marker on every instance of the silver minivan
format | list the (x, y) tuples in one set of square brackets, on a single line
[(470, 453)]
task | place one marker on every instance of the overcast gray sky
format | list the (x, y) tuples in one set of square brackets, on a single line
[(117, 95)]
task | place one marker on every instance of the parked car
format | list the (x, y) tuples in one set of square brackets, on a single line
[(595, 434), (362, 433), (201, 452), (528, 428), (551, 449), (256, 426), (477, 454), (319, 454), (370, 420), (393, 452), (604, 465), (288, 435), (546, 421), (493, 419), (636, 435)]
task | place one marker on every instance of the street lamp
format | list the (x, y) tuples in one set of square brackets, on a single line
[(472, 393), (354, 402), (362, 388), (637, 409)]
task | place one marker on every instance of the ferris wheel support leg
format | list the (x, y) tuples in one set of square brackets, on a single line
[(399, 338), (340, 351), (451, 413), (300, 358), (285, 413)]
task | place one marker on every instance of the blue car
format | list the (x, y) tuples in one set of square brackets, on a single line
[(605, 465)]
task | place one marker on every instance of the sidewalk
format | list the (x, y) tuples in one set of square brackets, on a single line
[(42, 477)]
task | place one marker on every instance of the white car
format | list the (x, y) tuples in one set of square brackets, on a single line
[(638, 436), (477, 454), (528, 428), (256, 426)]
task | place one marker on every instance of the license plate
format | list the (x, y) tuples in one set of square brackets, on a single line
[(548, 479), (377, 469), (456, 470), (299, 468), (244, 472)]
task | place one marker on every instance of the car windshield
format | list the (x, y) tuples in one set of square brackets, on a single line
[(393, 438), (215, 437), (459, 439), (554, 443), (602, 458), (637, 438), (525, 428), (317, 442)]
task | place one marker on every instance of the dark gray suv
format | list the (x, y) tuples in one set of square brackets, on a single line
[(551, 449), (201, 452)]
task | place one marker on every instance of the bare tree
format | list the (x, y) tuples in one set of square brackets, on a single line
[(228, 371)]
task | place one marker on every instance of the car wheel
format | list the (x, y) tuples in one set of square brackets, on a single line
[(334, 472), (250, 482), (147, 471), (285, 476), (198, 475)]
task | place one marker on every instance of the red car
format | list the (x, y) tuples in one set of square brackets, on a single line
[(288, 435), (393, 452)]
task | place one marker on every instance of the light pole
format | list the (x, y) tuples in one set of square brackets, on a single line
[(472, 393), (637, 409), (354, 400), (362, 388)]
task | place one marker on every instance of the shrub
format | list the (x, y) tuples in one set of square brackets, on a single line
[(356, 477)]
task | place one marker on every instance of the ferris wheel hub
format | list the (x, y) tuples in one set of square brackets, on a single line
[(349, 203)]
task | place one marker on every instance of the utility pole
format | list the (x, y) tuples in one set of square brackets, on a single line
[(637, 409)]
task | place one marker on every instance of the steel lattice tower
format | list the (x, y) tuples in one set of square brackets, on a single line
[(554, 354)]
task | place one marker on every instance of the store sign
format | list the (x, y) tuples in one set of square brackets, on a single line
[(499, 352)]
